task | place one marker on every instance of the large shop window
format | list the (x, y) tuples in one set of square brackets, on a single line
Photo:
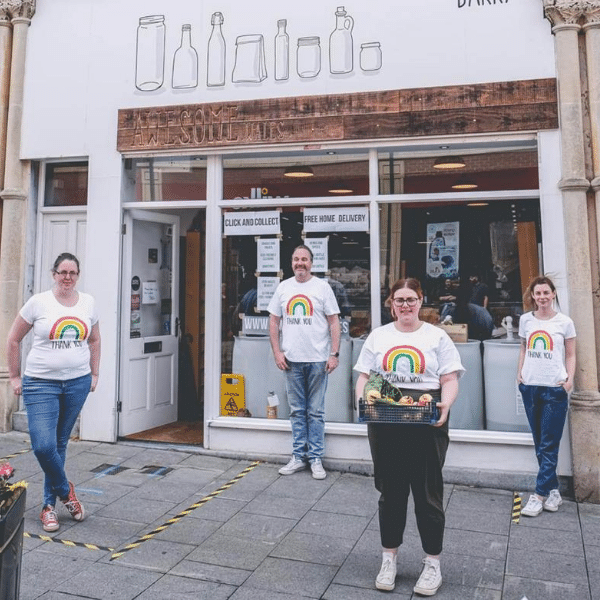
[(474, 261), (257, 251), (66, 184), (326, 175), (483, 172), (161, 179)]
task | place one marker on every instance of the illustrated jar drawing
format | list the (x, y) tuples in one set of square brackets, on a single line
[(370, 56), (150, 53), (308, 56)]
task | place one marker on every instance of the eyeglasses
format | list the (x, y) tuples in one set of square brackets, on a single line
[(69, 273), (407, 301)]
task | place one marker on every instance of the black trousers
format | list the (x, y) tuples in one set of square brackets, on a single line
[(410, 458)]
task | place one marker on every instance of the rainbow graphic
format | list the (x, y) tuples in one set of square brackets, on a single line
[(69, 327), (299, 302), (540, 339), (413, 355)]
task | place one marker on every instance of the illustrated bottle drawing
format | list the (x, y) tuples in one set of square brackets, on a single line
[(150, 53), (215, 73), (282, 51), (341, 55), (185, 62)]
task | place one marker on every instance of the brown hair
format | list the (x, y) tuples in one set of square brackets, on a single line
[(409, 282), (303, 247), (64, 256), (528, 301)]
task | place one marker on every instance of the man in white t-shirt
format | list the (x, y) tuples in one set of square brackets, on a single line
[(305, 308)]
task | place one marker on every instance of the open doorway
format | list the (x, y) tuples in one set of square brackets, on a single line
[(161, 394)]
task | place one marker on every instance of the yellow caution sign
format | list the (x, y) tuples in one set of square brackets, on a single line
[(233, 394)]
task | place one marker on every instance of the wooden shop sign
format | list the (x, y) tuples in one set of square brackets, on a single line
[(528, 105)]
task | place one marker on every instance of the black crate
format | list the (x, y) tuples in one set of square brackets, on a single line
[(397, 413)]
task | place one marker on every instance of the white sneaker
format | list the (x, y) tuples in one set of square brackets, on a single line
[(553, 501), (431, 578), (533, 507), (316, 466), (386, 579), (293, 466)]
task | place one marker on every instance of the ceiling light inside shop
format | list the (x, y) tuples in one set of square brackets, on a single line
[(340, 188), (464, 184), (478, 204), (449, 162), (299, 172)]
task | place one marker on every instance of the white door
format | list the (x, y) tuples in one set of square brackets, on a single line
[(150, 322), (61, 232)]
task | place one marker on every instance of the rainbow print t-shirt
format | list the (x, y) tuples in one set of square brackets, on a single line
[(304, 308), (60, 334), (412, 360), (544, 340)]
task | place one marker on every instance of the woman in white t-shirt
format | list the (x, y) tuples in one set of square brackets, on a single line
[(411, 355), (60, 371), (545, 376)]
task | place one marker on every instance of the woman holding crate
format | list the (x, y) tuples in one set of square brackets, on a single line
[(417, 359)]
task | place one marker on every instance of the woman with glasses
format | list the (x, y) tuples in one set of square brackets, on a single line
[(413, 356), (60, 371)]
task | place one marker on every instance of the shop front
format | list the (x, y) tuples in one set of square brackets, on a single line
[(212, 146)]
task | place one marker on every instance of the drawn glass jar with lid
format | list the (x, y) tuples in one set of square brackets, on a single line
[(370, 56), (308, 56), (150, 53)]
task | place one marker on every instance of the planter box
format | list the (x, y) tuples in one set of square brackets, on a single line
[(11, 547)]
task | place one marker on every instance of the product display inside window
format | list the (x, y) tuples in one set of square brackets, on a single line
[(162, 179), (484, 172), (66, 184), (474, 261), (257, 251), (327, 175)]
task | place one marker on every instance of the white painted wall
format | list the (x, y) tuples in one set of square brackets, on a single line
[(81, 56)]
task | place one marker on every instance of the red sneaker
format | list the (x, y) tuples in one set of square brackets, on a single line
[(49, 518), (73, 505)]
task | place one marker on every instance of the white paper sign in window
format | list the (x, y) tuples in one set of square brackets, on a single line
[(349, 218), (150, 292), (266, 287), (318, 247), (267, 255), (251, 223)]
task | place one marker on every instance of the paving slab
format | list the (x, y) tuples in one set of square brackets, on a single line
[(154, 555), (332, 524), (558, 568), (278, 506), (172, 587), (229, 551), (259, 527), (291, 577), (101, 581), (539, 589), (214, 573), (319, 549)]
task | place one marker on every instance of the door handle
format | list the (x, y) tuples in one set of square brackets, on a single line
[(176, 326)]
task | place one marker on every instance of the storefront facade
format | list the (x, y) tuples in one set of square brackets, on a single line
[(187, 153)]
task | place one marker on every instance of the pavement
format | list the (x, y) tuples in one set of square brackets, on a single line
[(251, 534)]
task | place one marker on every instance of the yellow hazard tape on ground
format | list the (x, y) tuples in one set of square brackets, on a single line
[(47, 538), (516, 509), (15, 454), (185, 512)]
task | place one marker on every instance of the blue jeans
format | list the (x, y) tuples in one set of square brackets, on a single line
[(546, 409), (52, 409), (306, 383)]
